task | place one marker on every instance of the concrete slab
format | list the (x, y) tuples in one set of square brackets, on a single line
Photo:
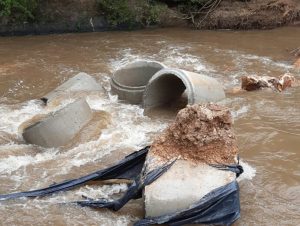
[(58, 128), (80, 82), (181, 186)]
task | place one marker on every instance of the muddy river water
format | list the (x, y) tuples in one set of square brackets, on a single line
[(267, 124)]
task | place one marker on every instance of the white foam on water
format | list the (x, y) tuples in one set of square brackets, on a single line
[(247, 58), (13, 116), (267, 61), (249, 171), (176, 56), (125, 56), (105, 191), (13, 163), (249, 64), (239, 113), (89, 191)]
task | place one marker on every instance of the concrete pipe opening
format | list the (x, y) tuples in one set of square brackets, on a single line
[(166, 91), (171, 85), (130, 81)]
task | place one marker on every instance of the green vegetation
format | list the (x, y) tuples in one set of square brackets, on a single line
[(147, 12), (132, 12), (118, 13), (20, 10)]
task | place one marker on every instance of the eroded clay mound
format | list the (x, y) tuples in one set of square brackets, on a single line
[(200, 133), (254, 82)]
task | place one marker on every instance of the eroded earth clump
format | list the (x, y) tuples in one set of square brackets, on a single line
[(254, 82), (200, 133)]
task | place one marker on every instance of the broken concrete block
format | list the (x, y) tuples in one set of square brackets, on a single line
[(130, 81), (181, 186), (168, 85), (201, 135), (80, 82), (58, 128)]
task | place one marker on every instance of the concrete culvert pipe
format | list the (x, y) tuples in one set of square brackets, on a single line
[(130, 81), (168, 85), (80, 82), (58, 128)]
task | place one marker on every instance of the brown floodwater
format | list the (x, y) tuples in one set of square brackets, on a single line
[(267, 124)]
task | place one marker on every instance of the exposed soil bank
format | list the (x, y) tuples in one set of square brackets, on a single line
[(85, 16), (251, 14)]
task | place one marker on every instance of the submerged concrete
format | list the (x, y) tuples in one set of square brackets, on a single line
[(130, 81), (58, 128), (201, 135), (168, 85), (80, 82), (181, 186)]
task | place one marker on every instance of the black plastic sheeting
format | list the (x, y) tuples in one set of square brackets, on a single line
[(135, 190), (219, 207), (128, 168)]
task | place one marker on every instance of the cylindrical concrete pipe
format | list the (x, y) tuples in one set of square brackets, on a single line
[(58, 128), (80, 82), (130, 81), (168, 85)]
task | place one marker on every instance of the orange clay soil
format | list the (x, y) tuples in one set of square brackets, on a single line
[(200, 133), (254, 82)]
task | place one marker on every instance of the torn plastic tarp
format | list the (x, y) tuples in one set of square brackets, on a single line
[(220, 207), (128, 168), (134, 191)]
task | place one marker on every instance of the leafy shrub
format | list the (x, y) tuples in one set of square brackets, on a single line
[(131, 12), (18, 9)]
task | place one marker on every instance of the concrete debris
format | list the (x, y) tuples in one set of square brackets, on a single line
[(200, 135), (58, 128), (92, 130), (254, 82), (168, 85), (181, 186), (80, 82), (130, 81)]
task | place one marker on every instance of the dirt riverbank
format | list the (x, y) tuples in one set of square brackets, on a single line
[(251, 14), (86, 16)]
